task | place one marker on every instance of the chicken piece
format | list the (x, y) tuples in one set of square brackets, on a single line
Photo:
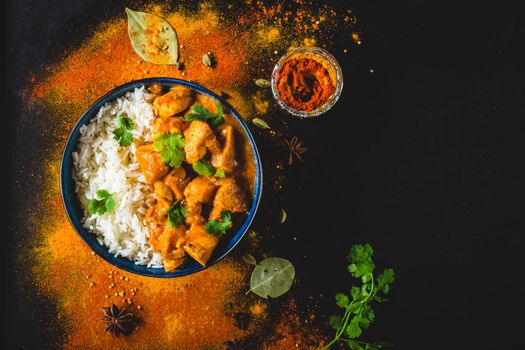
[(225, 158), (199, 190), (170, 246), (168, 125), (177, 100), (209, 103), (150, 163), (164, 196), (230, 197), (155, 225), (200, 244), (155, 218), (176, 180), (198, 137)]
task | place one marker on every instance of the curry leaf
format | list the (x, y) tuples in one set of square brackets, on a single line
[(152, 38), (272, 277)]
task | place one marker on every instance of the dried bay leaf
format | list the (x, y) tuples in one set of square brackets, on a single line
[(258, 122), (272, 277), (152, 38)]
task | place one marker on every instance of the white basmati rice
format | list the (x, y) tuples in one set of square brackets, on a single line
[(100, 163)]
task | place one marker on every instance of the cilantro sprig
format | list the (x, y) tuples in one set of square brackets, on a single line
[(215, 227), (122, 134), (203, 167), (177, 214), (104, 203), (200, 113), (170, 147), (358, 313)]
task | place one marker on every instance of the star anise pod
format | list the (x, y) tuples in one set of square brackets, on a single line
[(118, 320), (295, 149)]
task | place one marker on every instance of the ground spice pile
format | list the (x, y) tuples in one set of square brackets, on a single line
[(304, 84), (196, 311)]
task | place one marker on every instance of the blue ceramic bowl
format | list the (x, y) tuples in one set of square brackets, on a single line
[(75, 212)]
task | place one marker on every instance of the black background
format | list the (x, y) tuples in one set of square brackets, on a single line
[(423, 159)]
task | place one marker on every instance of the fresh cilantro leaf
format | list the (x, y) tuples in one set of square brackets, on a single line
[(122, 134), (360, 258), (341, 300), (358, 313), (356, 346), (125, 122), (385, 279), (367, 317), (380, 299), (353, 330), (336, 322), (219, 173), (200, 113), (170, 147), (104, 203), (176, 214), (203, 167), (216, 227), (354, 292)]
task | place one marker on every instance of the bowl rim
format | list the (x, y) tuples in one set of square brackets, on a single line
[(327, 56), (68, 192)]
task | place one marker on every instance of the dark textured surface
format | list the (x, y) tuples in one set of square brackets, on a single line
[(429, 168)]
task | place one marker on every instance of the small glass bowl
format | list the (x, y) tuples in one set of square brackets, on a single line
[(328, 61)]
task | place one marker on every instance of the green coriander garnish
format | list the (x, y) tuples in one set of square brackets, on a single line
[(200, 113), (122, 134), (176, 214), (104, 203), (216, 227), (204, 168), (170, 147)]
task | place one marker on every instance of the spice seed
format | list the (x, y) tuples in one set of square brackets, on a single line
[(258, 122), (206, 59), (262, 83)]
